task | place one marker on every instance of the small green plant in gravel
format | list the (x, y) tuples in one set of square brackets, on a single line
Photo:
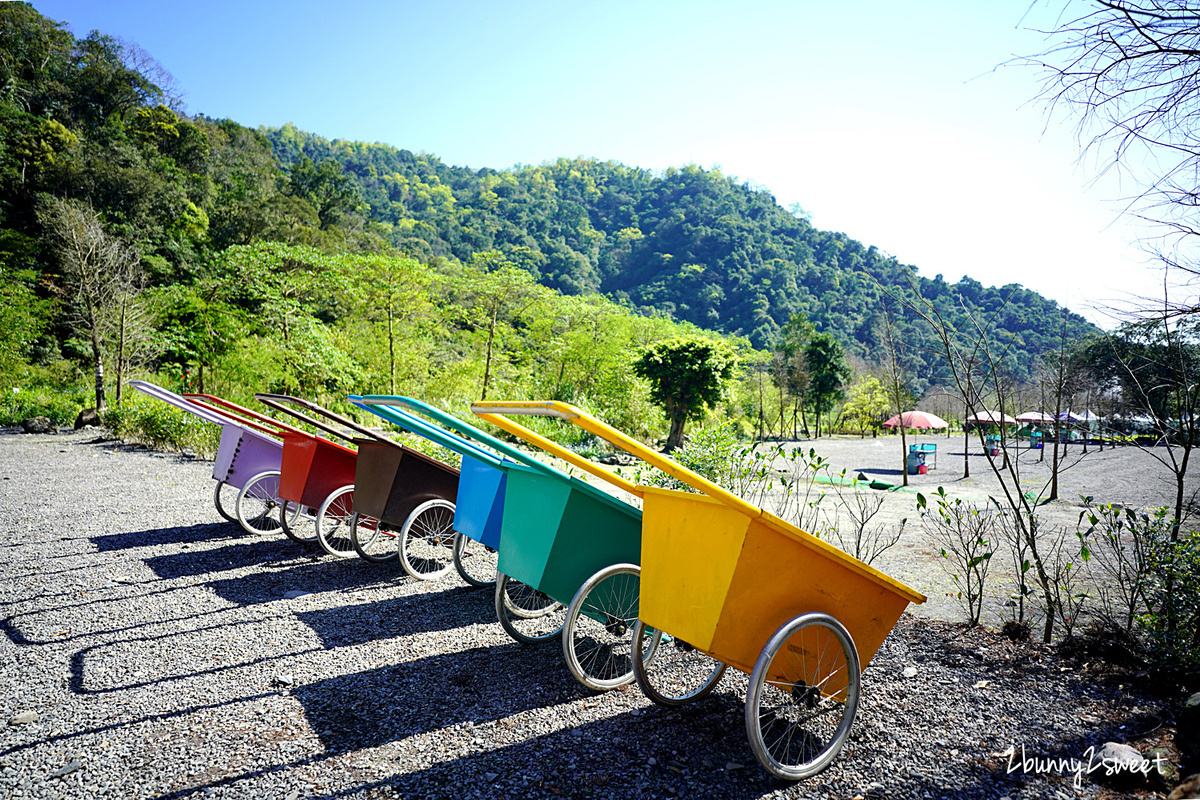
[(1123, 542), (1171, 629), (963, 534)]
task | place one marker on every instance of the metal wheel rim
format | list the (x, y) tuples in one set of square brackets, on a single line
[(598, 637), (669, 675), (795, 730)]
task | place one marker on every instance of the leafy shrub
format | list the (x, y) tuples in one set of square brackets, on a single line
[(161, 426), (713, 453), (963, 534), (1121, 544), (1171, 629), (61, 405)]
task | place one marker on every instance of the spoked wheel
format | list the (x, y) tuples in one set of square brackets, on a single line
[(475, 561), (427, 540), (333, 523), (225, 499), (299, 522), (670, 671), (527, 615), (258, 503), (373, 540), (598, 637), (802, 697)]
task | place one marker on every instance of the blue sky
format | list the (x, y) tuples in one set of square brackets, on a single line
[(905, 125)]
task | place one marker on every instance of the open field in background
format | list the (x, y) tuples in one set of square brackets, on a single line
[(1123, 475)]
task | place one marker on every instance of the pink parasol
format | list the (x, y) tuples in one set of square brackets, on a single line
[(916, 419)]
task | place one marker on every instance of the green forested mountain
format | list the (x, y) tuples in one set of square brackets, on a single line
[(689, 241)]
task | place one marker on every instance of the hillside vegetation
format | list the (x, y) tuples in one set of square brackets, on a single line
[(237, 260), (691, 242)]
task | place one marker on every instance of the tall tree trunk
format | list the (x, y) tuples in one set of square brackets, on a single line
[(391, 352), (678, 419), (761, 399), (487, 365), (782, 413), (966, 449), (1054, 453), (121, 350)]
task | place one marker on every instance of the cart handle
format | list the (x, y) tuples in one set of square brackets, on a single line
[(275, 401), (272, 401), (419, 427), (466, 429), (243, 415), (204, 412), (491, 410)]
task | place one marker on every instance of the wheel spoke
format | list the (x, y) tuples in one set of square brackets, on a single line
[(670, 671), (803, 696), (475, 562), (598, 639), (426, 543), (333, 523)]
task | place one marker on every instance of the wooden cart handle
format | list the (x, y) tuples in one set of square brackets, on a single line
[(276, 401)]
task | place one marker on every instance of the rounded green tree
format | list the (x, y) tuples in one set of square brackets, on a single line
[(685, 375)]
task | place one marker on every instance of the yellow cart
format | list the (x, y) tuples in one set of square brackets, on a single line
[(729, 583)]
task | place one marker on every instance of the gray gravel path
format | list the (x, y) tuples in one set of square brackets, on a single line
[(162, 657)]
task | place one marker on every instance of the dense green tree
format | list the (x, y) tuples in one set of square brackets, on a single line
[(866, 403), (791, 371), (326, 187), (394, 291), (496, 295), (23, 319), (829, 374), (686, 375), (197, 330)]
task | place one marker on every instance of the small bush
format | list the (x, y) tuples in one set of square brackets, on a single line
[(61, 405), (1172, 627), (161, 426), (717, 455), (963, 534)]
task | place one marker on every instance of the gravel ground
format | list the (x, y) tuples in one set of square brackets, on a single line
[(165, 654), (1125, 475)]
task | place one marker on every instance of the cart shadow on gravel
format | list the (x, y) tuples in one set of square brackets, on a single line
[(372, 708), (191, 534), (398, 617), (258, 553), (11, 625), (700, 750), (449, 609), (313, 577)]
